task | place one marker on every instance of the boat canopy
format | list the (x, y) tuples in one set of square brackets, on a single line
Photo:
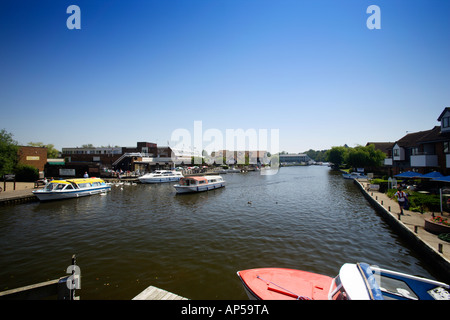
[(84, 180), (77, 181), (59, 181), (196, 178)]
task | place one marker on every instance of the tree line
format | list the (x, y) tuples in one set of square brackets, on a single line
[(345, 156), (9, 158), (357, 157)]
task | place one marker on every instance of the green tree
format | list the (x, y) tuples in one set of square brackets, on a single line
[(364, 157), (26, 173), (8, 152), (316, 155), (337, 155), (51, 151)]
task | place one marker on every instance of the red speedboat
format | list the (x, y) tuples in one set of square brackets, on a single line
[(284, 284), (354, 282)]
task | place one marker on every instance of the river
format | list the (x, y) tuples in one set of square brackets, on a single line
[(307, 218)]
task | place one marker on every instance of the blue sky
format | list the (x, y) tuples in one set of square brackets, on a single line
[(137, 70)]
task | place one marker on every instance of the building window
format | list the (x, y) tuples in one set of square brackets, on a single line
[(414, 151), (447, 147), (396, 153), (446, 122)]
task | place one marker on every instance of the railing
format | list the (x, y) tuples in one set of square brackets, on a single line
[(129, 154), (61, 288)]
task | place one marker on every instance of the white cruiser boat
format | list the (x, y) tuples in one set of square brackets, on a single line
[(71, 188), (161, 176), (354, 175), (199, 183)]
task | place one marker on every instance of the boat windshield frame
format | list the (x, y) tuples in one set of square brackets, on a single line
[(56, 186), (339, 292)]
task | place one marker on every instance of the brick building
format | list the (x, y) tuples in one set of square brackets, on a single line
[(33, 156)]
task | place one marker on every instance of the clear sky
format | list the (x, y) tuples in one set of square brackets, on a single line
[(137, 70)]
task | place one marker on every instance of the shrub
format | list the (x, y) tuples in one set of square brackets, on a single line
[(419, 202), (26, 173), (426, 202)]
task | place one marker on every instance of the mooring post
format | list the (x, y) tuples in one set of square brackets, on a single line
[(72, 290)]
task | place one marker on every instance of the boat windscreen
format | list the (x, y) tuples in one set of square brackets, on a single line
[(370, 281)]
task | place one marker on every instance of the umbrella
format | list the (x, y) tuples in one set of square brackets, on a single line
[(408, 174), (432, 175), (442, 179)]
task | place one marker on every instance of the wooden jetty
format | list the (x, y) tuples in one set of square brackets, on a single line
[(154, 293)]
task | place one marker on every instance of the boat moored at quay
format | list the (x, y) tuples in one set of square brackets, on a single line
[(199, 183), (354, 175), (354, 282), (71, 188), (161, 176)]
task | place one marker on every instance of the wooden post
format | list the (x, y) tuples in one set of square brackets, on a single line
[(415, 229), (72, 291), (440, 247)]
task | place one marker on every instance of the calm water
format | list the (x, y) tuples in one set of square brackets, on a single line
[(303, 217)]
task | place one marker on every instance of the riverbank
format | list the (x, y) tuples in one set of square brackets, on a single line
[(20, 192), (410, 225)]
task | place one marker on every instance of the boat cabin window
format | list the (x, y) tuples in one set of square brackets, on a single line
[(84, 185), (59, 186), (50, 186), (69, 186), (202, 182), (394, 287)]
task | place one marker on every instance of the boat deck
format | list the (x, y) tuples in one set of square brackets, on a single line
[(154, 293)]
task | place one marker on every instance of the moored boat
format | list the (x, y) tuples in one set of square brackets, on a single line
[(199, 183), (354, 175), (71, 188), (161, 176), (354, 282)]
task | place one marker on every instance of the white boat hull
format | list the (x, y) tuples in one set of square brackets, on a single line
[(189, 189), (159, 180), (59, 195), (160, 177)]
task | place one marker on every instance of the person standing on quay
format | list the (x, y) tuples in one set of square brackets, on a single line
[(401, 198)]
